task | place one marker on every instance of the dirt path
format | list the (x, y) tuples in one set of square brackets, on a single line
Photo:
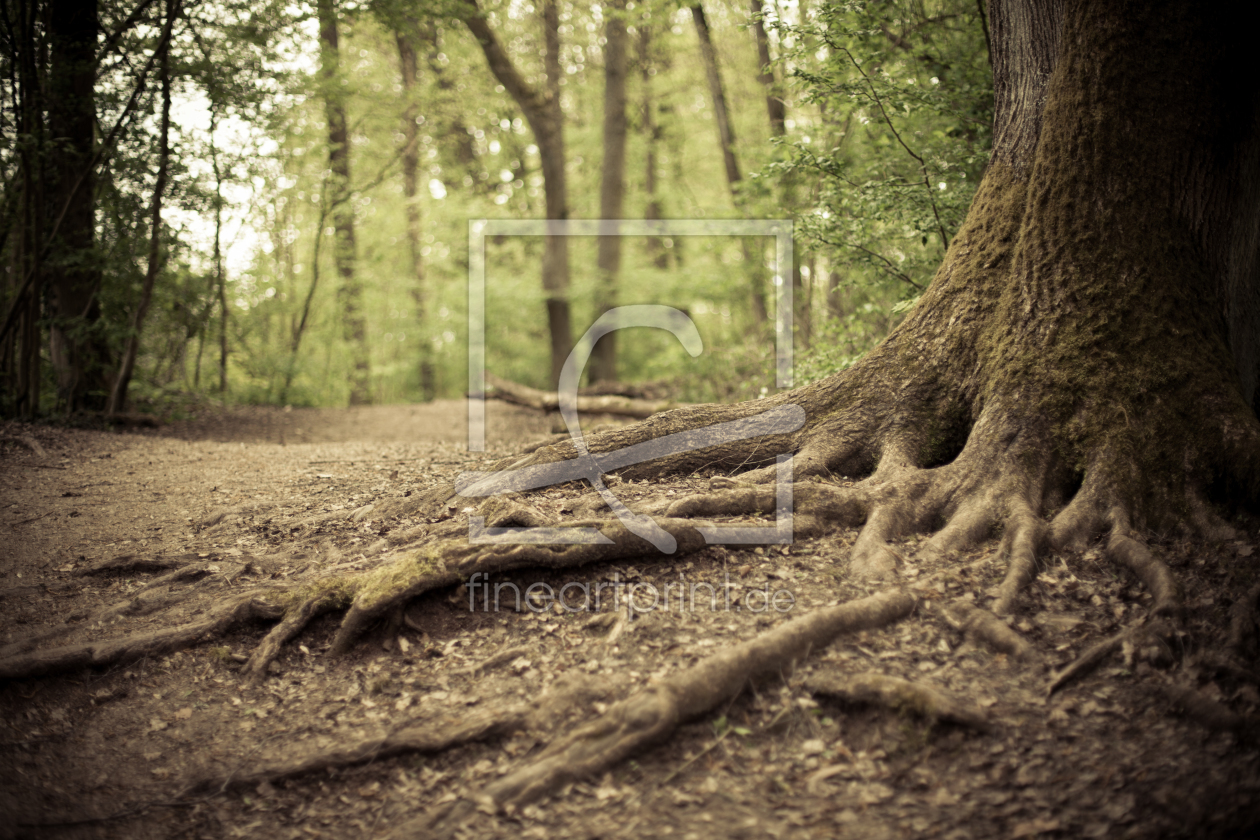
[(1105, 758)]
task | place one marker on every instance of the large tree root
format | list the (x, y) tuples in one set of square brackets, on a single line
[(432, 736), (652, 714), (223, 617)]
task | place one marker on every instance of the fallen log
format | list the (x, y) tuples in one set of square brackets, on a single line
[(514, 392)]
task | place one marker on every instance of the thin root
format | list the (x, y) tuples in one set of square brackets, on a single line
[(900, 695), (983, 626)]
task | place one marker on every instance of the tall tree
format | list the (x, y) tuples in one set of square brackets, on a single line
[(350, 290), (612, 182), (652, 131), (776, 109), (546, 119), (79, 353), (407, 36), (118, 394), (216, 253), (726, 139)]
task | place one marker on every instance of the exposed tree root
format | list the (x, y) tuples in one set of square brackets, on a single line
[(431, 736), (1022, 543), (1157, 577), (294, 622), (1209, 713), (222, 617), (27, 441), (1153, 634), (139, 563), (898, 694), (653, 713), (985, 627), (1243, 627)]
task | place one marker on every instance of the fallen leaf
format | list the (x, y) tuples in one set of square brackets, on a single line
[(813, 746), (184, 713), (1032, 827), (814, 781)]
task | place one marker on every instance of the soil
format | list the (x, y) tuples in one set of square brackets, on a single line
[(112, 752)]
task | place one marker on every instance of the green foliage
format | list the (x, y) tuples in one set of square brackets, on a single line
[(903, 94), (884, 103)]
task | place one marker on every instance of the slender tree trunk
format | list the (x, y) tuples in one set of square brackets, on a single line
[(410, 173), (775, 108), (29, 236), (542, 111), (717, 92), (835, 300), (753, 252), (79, 352), (350, 290), (118, 396), (220, 278), (805, 300), (652, 140), (612, 183)]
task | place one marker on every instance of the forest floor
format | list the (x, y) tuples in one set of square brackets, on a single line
[(111, 753)]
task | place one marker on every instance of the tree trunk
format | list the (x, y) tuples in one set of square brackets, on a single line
[(410, 173), (775, 108), (612, 183), (753, 252), (79, 352), (118, 396), (542, 111), (350, 290), (22, 346), (220, 278), (652, 140), (726, 134)]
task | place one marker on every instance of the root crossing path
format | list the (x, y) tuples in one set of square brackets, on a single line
[(268, 623)]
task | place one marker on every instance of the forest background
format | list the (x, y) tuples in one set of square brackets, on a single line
[(221, 201)]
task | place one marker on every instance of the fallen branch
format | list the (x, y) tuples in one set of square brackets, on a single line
[(1154, 633), (514, 392)]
